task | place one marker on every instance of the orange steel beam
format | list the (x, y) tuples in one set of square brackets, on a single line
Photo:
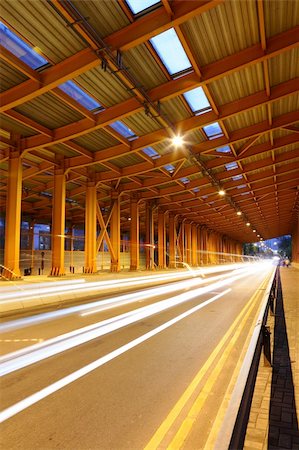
[(246, 146), (18, 64), (234, 108), (156, 22), (18, 117), (73, 103), (51, 78), (199, 183), (173, 157), (33, 171), (224, 67), (204, 181), (28, 90)]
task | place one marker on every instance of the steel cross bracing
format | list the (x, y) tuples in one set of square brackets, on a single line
[(250, 144)]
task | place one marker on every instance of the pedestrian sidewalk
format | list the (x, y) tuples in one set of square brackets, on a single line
[(274, 415)]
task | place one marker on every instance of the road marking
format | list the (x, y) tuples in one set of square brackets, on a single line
[(177, 409), (22, 340), (217, 424), (37, 352), (54, 387)]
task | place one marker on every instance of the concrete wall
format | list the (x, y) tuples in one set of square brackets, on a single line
[(27, 259)]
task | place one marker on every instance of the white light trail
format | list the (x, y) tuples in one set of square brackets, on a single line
[(96, 306), (43, 393), (50, 289), (35, 353)]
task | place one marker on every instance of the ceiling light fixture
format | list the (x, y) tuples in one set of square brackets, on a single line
[(221, 192), (239, 213), (177, 141), (248, 224)]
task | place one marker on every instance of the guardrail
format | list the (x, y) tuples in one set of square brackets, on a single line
[(233, 429)]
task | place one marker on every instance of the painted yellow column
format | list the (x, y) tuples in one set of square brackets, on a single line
[(58, 224), (199, 246), (13, 218), (204, 245), (188, 241), (172, 241), (182, 242), (134, 234), (194, 244), (91, 228), (115, 232), (149, 236), (161, 240), (295, 243)]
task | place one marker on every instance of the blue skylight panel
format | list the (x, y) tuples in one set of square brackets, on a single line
[(137, 6), (237, 177), (224, 149), (122, 129), (74, 91), (151, 152), (171, 52), (213, 130), (169, 167), (241, 186), (196, 189), (185, 180), (231, 166), (20, 49), (197, 100)]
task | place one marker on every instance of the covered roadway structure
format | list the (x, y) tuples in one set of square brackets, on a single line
[(173, 123)]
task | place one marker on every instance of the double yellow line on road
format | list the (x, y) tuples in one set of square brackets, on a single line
[(220, 354)]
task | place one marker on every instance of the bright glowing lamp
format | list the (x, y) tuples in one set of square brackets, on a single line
[(177, 141), (221, 192)]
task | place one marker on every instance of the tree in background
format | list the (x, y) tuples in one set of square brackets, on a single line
[(285, 246)]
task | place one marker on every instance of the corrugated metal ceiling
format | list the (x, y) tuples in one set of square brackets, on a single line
[(280, 16), (103, 16), (142, 64), (42, 27), (9, 76), (246, 119), (97, 140), (49, 111), (9, 124), (105, 87), (284, 67), (222, 31), (238, 85)]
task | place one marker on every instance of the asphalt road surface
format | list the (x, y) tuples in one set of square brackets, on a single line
[(150, 369)]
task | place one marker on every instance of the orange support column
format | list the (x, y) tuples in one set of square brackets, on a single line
[(194, 244), (161, 240), (188, 242), (91, 228), (58, 224), (181, 241), (115, 233), (199, 246), (134, 235), (13, 218), (204, 246), (172, 241), (295, 244), (149, 236)]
